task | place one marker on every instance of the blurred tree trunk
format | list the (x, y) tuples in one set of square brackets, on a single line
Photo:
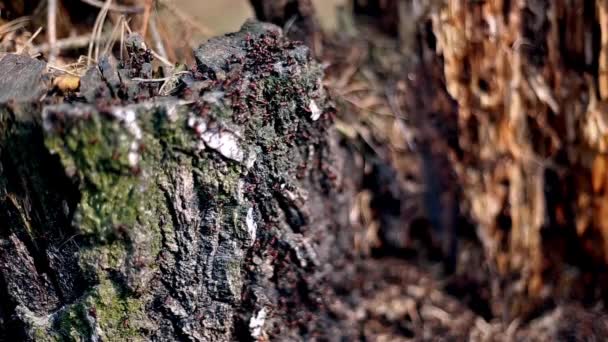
[(531, 85)]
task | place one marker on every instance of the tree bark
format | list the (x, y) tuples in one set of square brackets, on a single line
[(203, 216)]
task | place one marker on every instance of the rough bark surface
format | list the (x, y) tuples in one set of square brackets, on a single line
[(199, 216)]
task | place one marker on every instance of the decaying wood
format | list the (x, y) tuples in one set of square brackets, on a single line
[(528, 77), (500, 110)]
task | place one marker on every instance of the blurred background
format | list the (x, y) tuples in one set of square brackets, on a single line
[(228, 15)]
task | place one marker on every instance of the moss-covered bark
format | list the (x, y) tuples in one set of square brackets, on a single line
[(196, 216)]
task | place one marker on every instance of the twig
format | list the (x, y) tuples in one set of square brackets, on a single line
[(115, 8), (145, 21), (52, 29), (158, 42), (76, 42), (29, 41), (13, 25), (161, 58)]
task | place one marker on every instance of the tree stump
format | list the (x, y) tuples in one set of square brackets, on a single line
[(204, 215)]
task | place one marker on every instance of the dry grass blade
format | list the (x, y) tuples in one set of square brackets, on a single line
[(161, 58), (122, 38), (64, 70), (96, 33), (162, 79), (146, 20), (113, 36), (13, 25), (158, 42), (154, 53), (76, 42), (29, 41), (115, 8)]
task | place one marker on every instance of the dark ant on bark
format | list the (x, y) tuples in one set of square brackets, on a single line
[(122, 230), (136, 170), (273, 241), (139, 262)]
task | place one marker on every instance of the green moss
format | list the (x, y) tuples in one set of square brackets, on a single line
[(72, 325), (98, 149), (118, 204), (118, 316), (151, 217), (94, 145), (222, 112), (172, 134), (108, 256), (104, 210)]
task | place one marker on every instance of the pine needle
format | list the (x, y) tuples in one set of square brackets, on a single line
[(113, 36), (13, 25), (29, 41), (96, 33), (115, 8)]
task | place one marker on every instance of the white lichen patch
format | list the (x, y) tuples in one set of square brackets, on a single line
[(213, 97), (240, 190), (252, 226), (133, 158), (315, 111), (222, 140), (197, 124), (250, 160), (172, 112), (128, 117), (256, 324)]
